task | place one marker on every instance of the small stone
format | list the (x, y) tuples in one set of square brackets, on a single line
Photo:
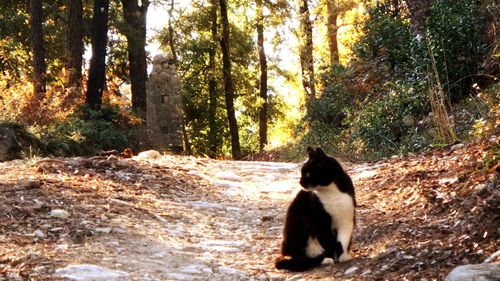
[(408, 257), (119, 230), (39, 234), (297, 277), (105, 230), (45, 226), (480, 187), (60, 214), (56, 229), (366, 273), (149, 154), (351, 270)]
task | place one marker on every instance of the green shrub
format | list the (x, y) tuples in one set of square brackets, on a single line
[(88, 131), (389, 125)]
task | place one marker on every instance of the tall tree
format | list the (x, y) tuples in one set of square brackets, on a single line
[(306, 50), (212, 85), (263, 77), (97, 69), (38, 49), (75, 45), (173, 50), (228, 82), (135, 17), (333, 13), (170, 35)]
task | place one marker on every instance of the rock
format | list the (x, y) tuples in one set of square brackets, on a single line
[(39, 234), (83, 272), (475, 272), (480, 186), (104, 230), (60, 214), (148, 154), (351, 270)]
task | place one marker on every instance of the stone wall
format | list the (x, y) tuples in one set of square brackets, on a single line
[(164, 106)]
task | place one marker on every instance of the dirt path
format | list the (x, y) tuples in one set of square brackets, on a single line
[(223, 231), (182, 218)]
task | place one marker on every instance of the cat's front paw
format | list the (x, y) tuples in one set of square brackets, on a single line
[(345, 257)]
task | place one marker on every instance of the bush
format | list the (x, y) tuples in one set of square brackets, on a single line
[(389, 125), (86, 131), (95, 130)]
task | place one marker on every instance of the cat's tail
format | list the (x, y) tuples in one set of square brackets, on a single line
[(298, 263)]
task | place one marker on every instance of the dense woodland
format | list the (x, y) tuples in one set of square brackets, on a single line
[(263, 78)]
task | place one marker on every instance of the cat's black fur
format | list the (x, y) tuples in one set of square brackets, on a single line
[(308, 218)]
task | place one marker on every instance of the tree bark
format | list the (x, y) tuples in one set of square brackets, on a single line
[(135, 17), (97, 69), (173, 49), (228, 83), (171, 40), (306, 51), (212, 86), (332, 28), (38, 49), (75, 45), (263, 77)]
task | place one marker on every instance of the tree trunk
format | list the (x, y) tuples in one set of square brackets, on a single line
[(306, 51), (173, 49), (97, 70), (263, 77), (228, 83), (75, 45), (171, 42), (135, 16), (212, 86), (332, 27), (38, 49)]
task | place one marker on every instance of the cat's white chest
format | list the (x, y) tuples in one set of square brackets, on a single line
[(338, 204)]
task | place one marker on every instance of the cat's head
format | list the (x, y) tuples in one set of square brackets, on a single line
[(316, 171)]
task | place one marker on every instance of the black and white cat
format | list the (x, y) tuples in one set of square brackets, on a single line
[(320, 220)]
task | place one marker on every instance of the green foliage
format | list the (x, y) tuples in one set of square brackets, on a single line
[(332, 106), (454, 29), (88, 131), (194, 43), (387, 37), (389, 125), (452, 36), (383, 123), (391, 115)]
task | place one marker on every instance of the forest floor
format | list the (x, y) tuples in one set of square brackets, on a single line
[(184, 218)]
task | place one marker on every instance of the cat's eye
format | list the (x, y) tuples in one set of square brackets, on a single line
[(308, 175)]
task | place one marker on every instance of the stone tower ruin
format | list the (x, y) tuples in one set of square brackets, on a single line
[(164, 106)]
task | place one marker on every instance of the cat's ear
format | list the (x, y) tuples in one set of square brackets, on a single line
[(320, 153), (311, 152)]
